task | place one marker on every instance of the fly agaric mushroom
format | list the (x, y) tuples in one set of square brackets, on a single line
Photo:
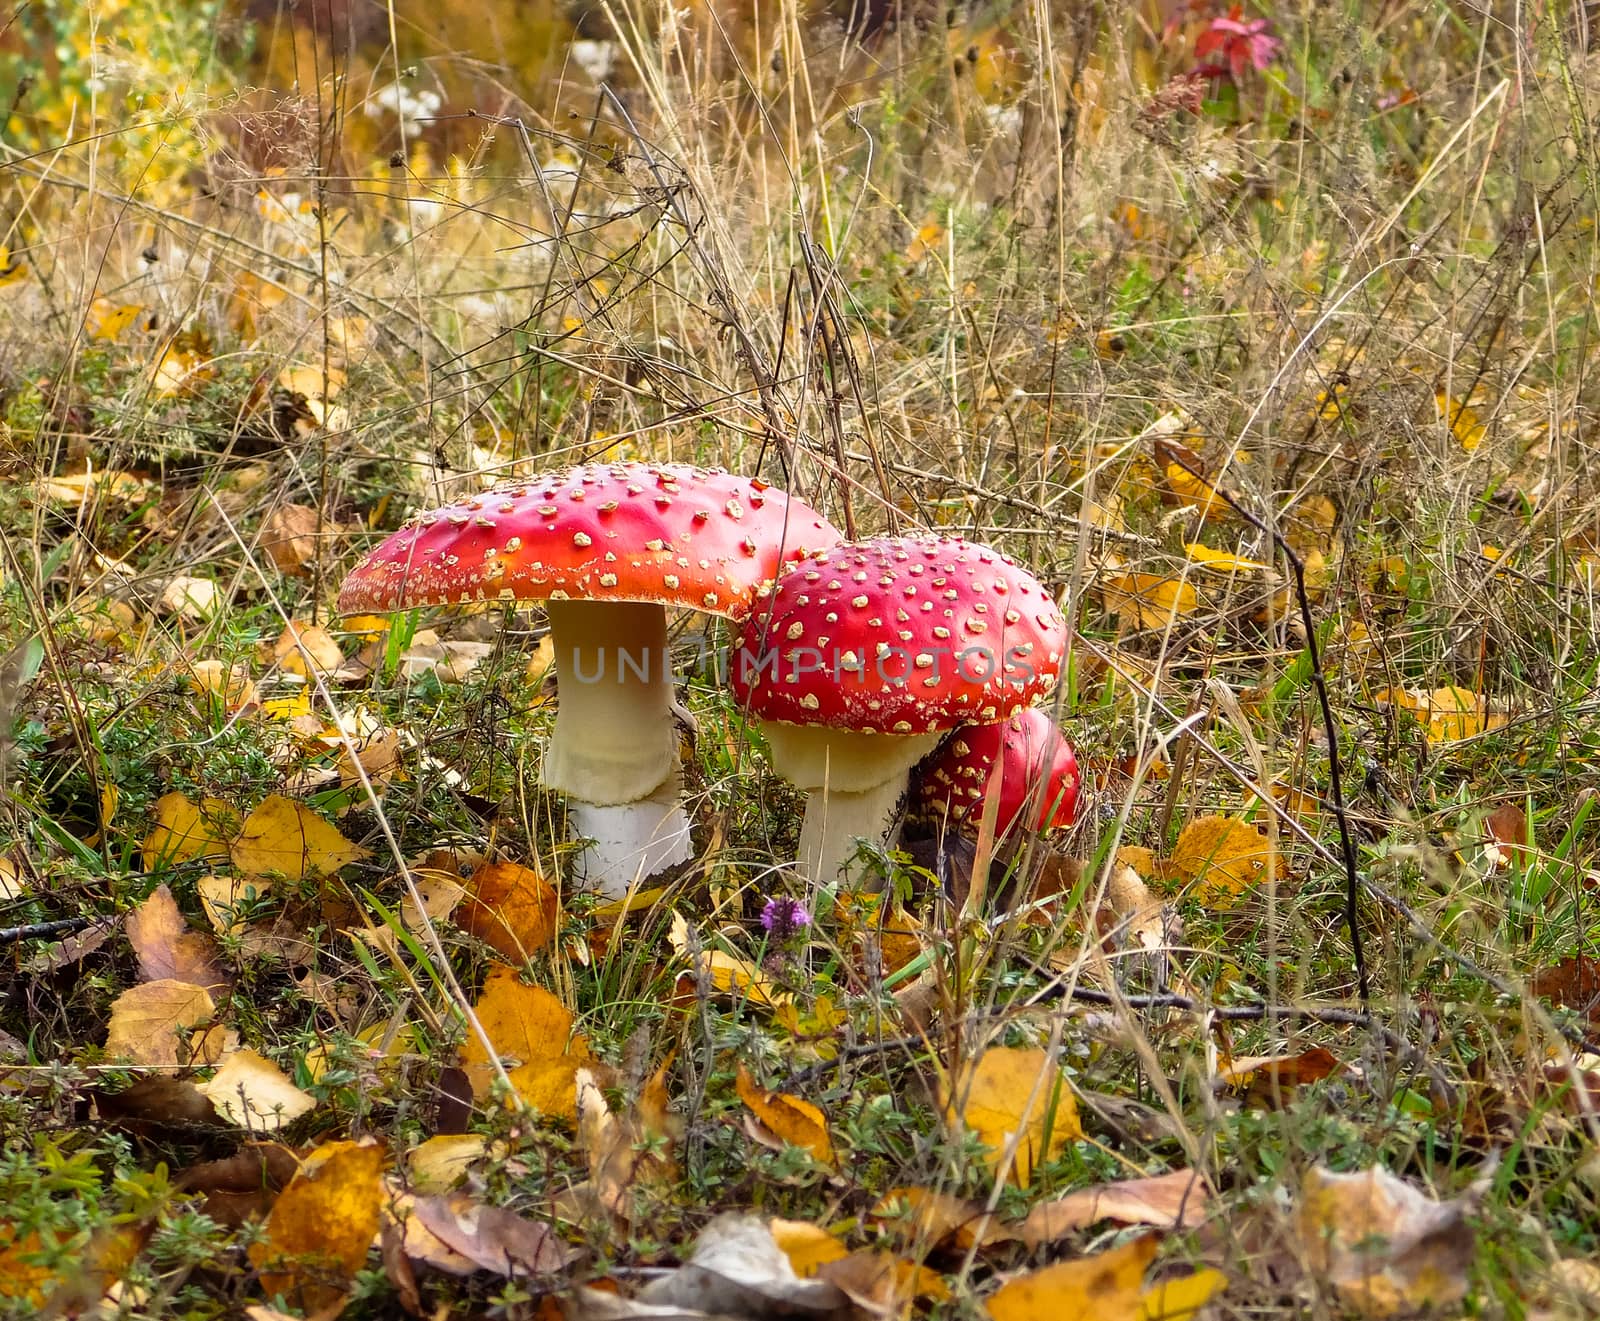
[(1038, 775), (607, 547), (867, 653)]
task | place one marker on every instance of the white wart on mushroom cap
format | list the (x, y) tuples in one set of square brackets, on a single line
[(607, 547), (868, 651)]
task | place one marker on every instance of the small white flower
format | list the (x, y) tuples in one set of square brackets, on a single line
[(595, 58)]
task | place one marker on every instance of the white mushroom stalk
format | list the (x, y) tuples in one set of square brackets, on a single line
[(614, 750), (856, 784)]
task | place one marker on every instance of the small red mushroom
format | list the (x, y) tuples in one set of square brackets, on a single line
[(867, 653), (607, 547), (1038, 775)]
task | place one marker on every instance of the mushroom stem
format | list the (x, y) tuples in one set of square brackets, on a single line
[(834, 822), (614, 750), (632, 841), (614, 740), (855, 781)]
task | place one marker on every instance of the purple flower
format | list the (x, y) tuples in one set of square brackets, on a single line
[(783, 917)]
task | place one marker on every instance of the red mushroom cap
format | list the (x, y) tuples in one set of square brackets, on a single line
[(1036, 766), (665, 533), (900, 635)]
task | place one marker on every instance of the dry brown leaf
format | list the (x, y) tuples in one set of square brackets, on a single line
[(511, 908), (1223, 855), (195, 599), (224, 898), (305, 649), (882, 1284), (440, 889), (149, 1022), (158, 1103), (228, 686), (1573, 982), (932, 1219), (166, 948), (1135, 915), (1008, 1091), (322, 1225), (289, 537), (378, 755), (243, 1186), (286, 837), (1386, 1248), (1507, 827), (185, 831), (1164, 1201), (255, 1093), (738, 1269), (795, 1121), (1267, 1077), (493, 1238)]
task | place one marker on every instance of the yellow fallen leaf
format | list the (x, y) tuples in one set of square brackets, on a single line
[(1462, 421), (22, 1276), (1220, 561), (107, 320), (225, 897), (1107, 1286), (1224, 855), (284, 837), (798, 1122), (180, 369), (1451, 714), (13, 270), (807, 1246), (104, 483), (441, 1162), (253, 1092), (293, 709), (726, 974), (1309, 525), (1179, 1299), (149, 1022), (1455, 713), (322, 1225), (1148, 600), (532, 1034), (229, 686), (927, 239), (1008, 1091)]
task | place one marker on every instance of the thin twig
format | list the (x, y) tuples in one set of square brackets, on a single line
[(38, 930), (1347, 848)]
